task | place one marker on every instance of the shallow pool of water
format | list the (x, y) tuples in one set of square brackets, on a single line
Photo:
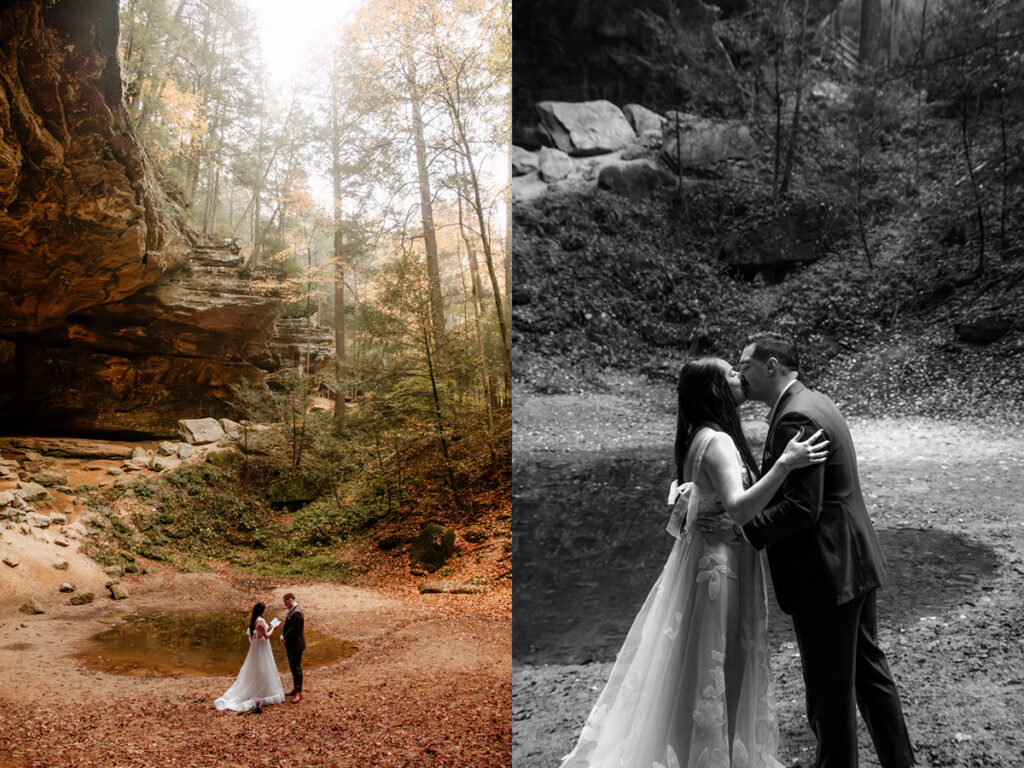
[(589, 540), (194, 645)]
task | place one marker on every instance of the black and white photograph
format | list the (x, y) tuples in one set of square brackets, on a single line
[(768, 426)]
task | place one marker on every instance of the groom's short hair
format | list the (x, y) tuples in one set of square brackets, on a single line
[(288, 596), (775, 345)]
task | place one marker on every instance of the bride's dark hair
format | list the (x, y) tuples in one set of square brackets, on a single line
[(705, 400), (257, 611)]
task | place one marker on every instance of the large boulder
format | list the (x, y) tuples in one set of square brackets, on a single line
[(771, 244), (295, 492), (225, 457), (984, 329), (433, 546), (200, 431), (694, 142), (585, 128), (635, 179), (626, 51)]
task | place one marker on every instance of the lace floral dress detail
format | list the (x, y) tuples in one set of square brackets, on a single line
[(691, 686)]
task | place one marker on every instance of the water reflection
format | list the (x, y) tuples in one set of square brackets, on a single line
[(589, 541), (194, 645)]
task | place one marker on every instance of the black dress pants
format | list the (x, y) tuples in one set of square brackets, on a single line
[(844, 669), (295, 664)]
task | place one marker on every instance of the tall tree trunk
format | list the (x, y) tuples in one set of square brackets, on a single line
[(870, 31), (426, 205), (979, 213), (474, 277), (439, 418), (478, 207), (794, 130), (340, 352)]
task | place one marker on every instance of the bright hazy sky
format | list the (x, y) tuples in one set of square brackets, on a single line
[(292, 32)]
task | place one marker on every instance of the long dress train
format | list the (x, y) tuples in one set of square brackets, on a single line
[(693, 676), (257, 680)]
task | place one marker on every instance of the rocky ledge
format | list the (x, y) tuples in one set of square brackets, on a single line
[(112, 320)]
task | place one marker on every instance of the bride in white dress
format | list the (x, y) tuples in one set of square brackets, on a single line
[(691, 687), (258, 681)]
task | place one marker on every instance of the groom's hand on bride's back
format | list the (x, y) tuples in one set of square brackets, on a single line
[(717, 527)]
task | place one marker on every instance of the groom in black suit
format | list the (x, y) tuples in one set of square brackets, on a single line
[(826, 566), (294, 639)]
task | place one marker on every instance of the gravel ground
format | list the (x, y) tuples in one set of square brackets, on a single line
[(960, 671)]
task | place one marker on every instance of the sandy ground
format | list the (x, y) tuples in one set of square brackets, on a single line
[(429, 686), (961, 672)]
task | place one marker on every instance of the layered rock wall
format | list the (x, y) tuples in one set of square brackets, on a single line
[(111, 320)]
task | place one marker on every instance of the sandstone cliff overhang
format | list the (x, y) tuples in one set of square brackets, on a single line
[(80, 222), (112, 321)]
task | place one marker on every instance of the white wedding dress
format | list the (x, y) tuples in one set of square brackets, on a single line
[(693, 674), (257, 680)]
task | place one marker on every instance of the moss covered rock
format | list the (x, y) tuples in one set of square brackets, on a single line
[(432, 547)]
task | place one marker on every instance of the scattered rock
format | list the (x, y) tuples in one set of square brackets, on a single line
[(117, 591), (528, 187), (115, 471), (11, 560), (58, 518), (167, 448), (50, 479), (60, 565), (643, 119), (554, 164), (200, 431), (65, 587), (62, 542), (114, 571), (185, 451), (138, 452), (433, 546), (159, 464), (450, 587), (6, 498), (33, 456), (37, 520), (524, 161), (82, 598), (231, 428), (33, 606), (30, 491), (131, 568), (585, 128)]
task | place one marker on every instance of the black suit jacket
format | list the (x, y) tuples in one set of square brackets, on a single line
[(822, 548), (292, 632)]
